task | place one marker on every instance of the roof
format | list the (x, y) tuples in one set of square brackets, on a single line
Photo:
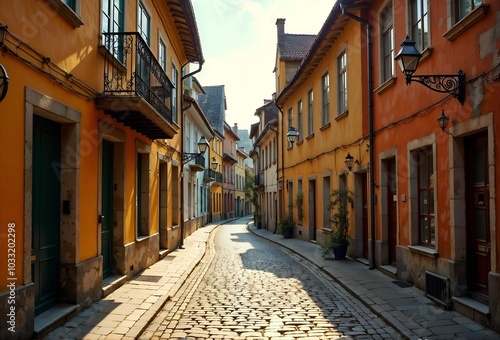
[(295, 46), (270, 111), (213, 104), (230, 131), (185, 22), (326, 37)]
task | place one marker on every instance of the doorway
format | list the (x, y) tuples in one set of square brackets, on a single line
[(46, 212), (312, 209), (477, 216), (107, 208), (392, 230)]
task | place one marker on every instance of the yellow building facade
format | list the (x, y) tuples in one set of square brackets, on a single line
[(89, 137), (323, 101)]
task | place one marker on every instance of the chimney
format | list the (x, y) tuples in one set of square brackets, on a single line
[(235, 128), (280, 23)]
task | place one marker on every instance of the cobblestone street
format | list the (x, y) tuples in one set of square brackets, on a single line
[(249, 288)]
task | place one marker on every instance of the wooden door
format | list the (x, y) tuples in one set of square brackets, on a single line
[(45, 253), (477, 213), (312, 210), (107, 208), (392, 201)]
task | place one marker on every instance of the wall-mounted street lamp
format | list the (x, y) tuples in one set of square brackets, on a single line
[(3, 33), (350, 161), (202, 146), (4, 82), (214, 164), (443, 122), (292, 135), (408, 59)]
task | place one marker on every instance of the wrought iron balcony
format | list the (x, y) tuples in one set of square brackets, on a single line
[(259, 180), (137, 92), (213, 176), (198, 164)]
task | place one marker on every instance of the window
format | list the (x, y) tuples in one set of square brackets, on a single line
[(310, 113), (162, 54), (325, 88), (299, 120), (175, 80), (464, 7), (144, 23), (342, 83), (420, 24), (112, 22), (71, 4), (387, 43), (425, 180), (290, 116)]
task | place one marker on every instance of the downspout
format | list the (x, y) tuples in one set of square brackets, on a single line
[(276, 205), (370, 125), (181, 244), (282, 164)]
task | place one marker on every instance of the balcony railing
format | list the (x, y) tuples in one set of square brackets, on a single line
[(132, 78), (259, 179)]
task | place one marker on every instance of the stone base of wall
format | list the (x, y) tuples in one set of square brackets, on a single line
[(494, 290), (23, 322), (136, 256), (81, 283)]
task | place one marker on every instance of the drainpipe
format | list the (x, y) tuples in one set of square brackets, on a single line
[(370, 124), (181, 244), (276, 205), (282, 162)]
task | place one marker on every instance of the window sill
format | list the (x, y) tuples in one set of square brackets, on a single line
[(424, 251), (387, 84), (300, 142), (324, 127), (342, 115), (67, 13), (141, 238), (310, 136), (466, 22)]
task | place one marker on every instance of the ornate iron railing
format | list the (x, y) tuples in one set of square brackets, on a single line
[(217, 176), (259, 179), (131, 69)]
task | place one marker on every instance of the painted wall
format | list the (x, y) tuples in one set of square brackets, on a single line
[(324, 151), (40, 31)]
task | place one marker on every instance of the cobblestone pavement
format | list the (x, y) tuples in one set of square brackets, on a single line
[(249, 288)]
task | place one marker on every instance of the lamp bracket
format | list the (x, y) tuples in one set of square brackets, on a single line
[(186, 157), (453, 84)]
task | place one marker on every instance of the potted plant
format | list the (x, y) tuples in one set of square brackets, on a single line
[(338, 241), (286, 226)]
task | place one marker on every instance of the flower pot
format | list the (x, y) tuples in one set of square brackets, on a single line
[(340, 251), (288, 233)]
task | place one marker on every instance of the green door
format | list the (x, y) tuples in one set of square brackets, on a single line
[(46, 212), (107, 208)]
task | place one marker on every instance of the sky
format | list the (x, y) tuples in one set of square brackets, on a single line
[(238, 39)]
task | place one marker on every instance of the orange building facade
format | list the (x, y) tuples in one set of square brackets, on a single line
[(90, 144), (323, 102)]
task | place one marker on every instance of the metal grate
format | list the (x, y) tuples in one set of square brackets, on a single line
[(437, 288)]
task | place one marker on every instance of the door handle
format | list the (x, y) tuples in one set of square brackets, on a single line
[(100, 218)]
